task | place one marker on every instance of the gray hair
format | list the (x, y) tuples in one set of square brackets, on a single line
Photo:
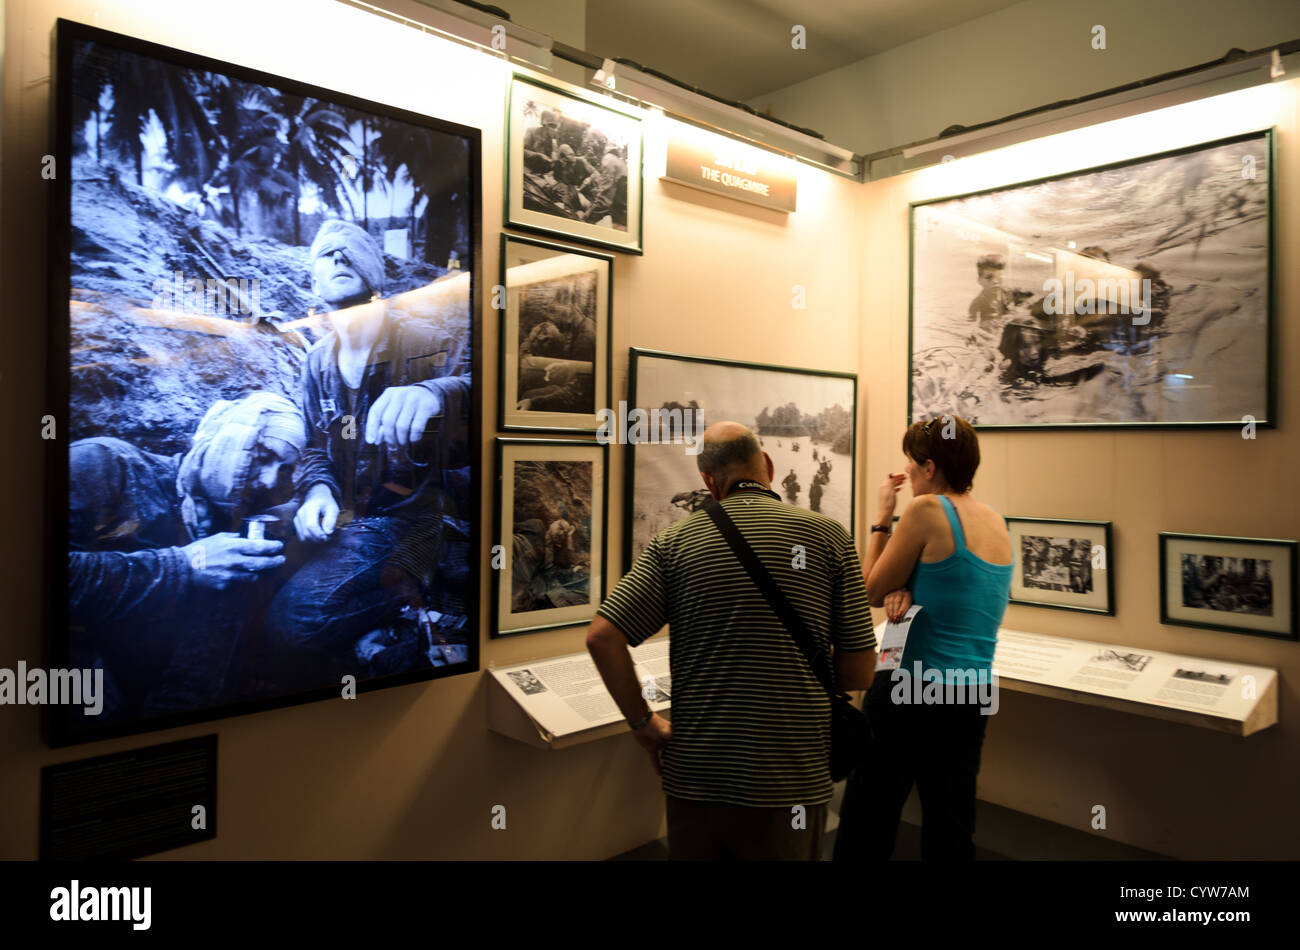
[(720, 456)]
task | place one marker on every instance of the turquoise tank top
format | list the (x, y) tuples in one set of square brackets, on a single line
[(964, 598)]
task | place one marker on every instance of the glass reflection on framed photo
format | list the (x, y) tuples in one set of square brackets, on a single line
[(1062, 564), (1138, 294), (227, 540), (551, 502), (1242, 585), (555, 326), (573, 166)]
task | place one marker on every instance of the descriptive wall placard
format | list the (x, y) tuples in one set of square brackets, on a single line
[(130, 804), (730, 168)]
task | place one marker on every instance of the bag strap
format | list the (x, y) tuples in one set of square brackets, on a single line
[(773, 594)]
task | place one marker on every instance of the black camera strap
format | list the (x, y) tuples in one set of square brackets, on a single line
[(773, 594)]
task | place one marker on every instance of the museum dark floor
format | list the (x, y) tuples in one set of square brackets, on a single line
[(1000, 835)]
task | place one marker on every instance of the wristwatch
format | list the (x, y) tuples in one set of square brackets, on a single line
[(636, 724), (888, 529)]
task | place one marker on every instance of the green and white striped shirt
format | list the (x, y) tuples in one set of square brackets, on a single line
[(751, 723)]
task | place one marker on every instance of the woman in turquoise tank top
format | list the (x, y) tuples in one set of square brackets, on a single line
[(951, 555)]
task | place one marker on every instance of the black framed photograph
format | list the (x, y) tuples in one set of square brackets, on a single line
[(805, 419), (555, 335), (1067, 565), (1241, 585), (264, 368), (548, 557), (573, 166), (1138, 294)]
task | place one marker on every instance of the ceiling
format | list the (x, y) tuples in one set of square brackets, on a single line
[(741, 49)]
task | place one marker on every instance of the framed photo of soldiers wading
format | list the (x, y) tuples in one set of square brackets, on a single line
[(1138, 294), (1062, 564), (1240, 585), (555, 333), (548, 557), (263, 358), (573, 166), (805, 419)]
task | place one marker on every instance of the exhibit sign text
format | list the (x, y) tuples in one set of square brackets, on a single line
[(731, 169)]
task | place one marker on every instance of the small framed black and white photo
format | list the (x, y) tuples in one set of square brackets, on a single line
[(573, 166), (555, 332), (1241, 585), (1067, 565), (548, 557)]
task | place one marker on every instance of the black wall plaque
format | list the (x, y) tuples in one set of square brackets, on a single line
[(130, 804)]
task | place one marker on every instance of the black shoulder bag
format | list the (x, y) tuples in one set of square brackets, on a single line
[(850, 733)]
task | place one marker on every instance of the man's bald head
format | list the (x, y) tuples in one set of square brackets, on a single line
[(730, 452)]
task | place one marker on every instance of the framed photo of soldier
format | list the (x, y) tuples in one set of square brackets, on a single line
[(1067, 565), (1240, 585), (555, 320), (573, 166), (548, 554), (805, 420), (264, 485), (1138, 294)]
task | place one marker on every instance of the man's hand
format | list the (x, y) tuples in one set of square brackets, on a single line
[(224, 559), (653, 736), (897, 603), (316, 518), (400, 414)]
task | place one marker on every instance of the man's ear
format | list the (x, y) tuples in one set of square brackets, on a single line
[(711, 485), (771, 469)]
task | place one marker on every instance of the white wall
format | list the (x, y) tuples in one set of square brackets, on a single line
[(1027, 55)]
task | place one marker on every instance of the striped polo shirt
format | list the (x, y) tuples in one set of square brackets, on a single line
[(751, 723)]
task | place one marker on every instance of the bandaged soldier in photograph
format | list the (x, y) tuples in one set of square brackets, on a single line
[(557, 344), (385, 477), (552, 535), (1057, 563), (1239, 585), (268, 392), (573, 169)]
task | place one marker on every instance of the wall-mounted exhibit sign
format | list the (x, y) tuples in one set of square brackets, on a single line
[(266, 404), (713, 163)]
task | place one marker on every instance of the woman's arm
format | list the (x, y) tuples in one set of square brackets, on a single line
[(890, 561)]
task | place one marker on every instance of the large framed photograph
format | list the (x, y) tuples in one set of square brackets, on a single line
[(263, 360), (573, 166), (549, 554), (805, 419), (1068, 565), (555, 333), (1242, 585), (1138, 294)]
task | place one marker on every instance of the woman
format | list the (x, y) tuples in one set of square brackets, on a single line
[(952, 555)]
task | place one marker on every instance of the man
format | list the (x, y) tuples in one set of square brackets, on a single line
[(158, 574), (385, 492), (542, 143), (791, 485), (750, 732)]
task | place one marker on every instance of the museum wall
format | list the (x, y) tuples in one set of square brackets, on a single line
[(1027, 55), (1175, 789), (409, 772)]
